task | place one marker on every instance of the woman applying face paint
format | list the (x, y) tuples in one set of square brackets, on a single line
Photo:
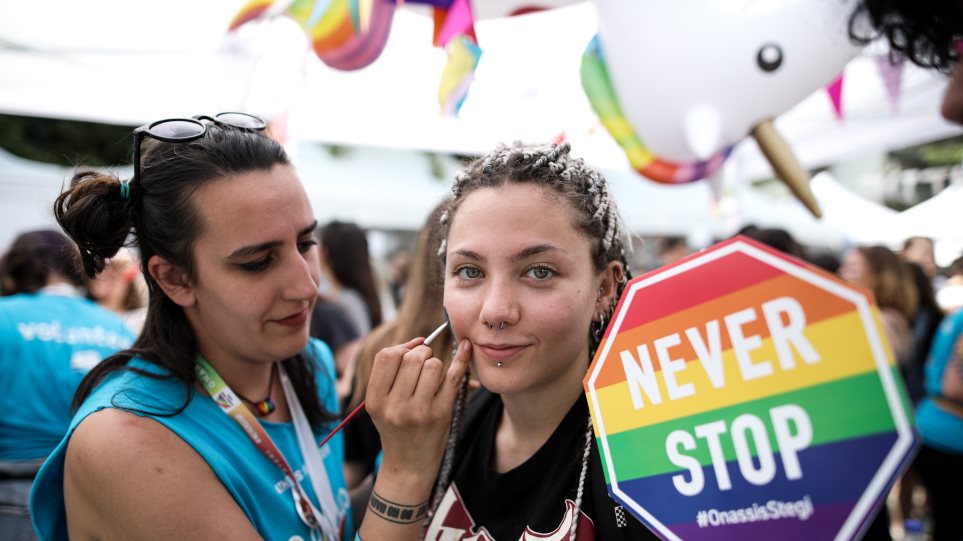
[(208, 427)]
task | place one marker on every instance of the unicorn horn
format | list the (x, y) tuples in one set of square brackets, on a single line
[(785, 164)]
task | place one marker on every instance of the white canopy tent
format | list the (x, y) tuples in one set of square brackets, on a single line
[(940, 216), (27, 193), (864, 221), (395, 189)]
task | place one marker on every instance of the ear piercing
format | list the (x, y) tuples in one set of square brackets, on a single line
[(601, 328)]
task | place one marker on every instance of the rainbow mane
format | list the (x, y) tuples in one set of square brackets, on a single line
[(598, 88)]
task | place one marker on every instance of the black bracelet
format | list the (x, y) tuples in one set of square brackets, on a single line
[(396, 512)]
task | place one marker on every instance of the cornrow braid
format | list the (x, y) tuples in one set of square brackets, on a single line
[(580, 491), (552, 167), (448, 460)]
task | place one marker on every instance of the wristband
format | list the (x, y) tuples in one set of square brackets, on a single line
[(396, 512)]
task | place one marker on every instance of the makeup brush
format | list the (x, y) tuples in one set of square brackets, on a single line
[(431, 337)]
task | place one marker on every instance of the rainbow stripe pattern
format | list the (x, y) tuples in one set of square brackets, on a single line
[(459, 72), (351, 34), (847, 388), (598, 88), (345, 34)]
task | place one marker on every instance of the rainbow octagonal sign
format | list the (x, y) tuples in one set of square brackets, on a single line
[(741, 394)]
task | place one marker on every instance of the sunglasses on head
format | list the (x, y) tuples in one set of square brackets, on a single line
[(183, 130)]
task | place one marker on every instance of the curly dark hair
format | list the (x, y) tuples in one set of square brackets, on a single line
[(924, 31)]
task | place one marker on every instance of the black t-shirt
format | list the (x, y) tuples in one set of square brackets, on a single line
[(537, 498), (362, 443), (332, 325)]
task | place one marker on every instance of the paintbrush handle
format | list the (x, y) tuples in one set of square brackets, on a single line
[(342, 423), (358, 409)]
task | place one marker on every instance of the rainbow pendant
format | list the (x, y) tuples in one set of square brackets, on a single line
[(266, 406)]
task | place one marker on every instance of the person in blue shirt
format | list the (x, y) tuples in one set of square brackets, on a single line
[(209, 426), (50, 336), (939, 419)]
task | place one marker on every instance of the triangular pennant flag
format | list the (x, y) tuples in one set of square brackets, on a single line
[(458, 20), (459, 72), (835, 91), (890, 69), (438, 15)]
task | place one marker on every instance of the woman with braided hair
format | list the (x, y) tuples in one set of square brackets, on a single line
[(534, 263)]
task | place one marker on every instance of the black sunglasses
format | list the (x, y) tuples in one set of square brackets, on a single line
[(183, 130)]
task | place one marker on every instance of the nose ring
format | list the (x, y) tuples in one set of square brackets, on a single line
[(491, 327)]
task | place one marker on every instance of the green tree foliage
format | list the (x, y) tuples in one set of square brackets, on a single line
[(66, 142)]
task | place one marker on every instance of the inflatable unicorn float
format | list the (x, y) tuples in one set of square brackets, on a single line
[(676, 84)]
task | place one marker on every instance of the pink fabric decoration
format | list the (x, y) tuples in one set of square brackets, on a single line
[(835, 91), (458, 20), (891, 72)]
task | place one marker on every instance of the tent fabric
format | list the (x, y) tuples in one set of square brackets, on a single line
[(862, 220), (526, 88), (939, 217), (395, 189)]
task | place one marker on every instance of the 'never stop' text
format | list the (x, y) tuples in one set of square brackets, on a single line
[(785, 319), (791, 426)]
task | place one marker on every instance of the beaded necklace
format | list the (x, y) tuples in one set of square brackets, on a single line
[(266, 406)]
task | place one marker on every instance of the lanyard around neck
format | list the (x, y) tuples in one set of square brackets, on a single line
[(319, 523)]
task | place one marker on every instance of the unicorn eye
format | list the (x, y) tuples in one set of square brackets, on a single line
[(769, 57)]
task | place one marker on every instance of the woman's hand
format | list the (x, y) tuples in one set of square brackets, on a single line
[(410, 398)]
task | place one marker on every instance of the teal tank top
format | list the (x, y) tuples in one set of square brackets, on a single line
[(48, 343), (257, 485), (939, 428)]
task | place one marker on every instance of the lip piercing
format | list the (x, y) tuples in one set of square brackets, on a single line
[(499, 364)]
